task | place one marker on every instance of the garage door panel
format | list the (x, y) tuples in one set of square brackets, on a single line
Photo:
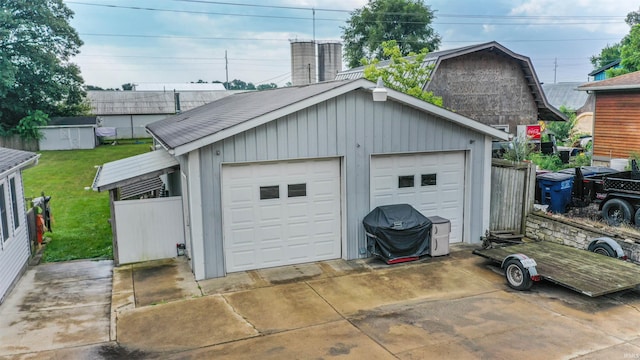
[(283, 230), (444, 198)]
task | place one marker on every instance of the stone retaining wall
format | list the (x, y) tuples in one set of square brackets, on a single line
[(540, 226)]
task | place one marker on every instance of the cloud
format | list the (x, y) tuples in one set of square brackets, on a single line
[(487, 28), (595, 16)]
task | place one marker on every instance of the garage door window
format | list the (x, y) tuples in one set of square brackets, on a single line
[(297, 190), (406, 181), (428, 179), (269, 192)]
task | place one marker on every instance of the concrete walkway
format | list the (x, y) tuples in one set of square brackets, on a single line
[(449, 307), (58, 306)]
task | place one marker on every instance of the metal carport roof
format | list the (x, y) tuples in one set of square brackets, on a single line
[(133, 170)]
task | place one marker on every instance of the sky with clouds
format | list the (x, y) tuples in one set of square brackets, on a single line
[(162, 41)]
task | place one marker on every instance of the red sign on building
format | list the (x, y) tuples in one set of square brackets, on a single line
[(533, 132)]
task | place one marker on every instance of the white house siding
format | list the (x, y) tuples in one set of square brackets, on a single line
[(14, 252), (353, 127)]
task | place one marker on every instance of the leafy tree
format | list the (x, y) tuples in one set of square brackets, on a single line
[(608, 54), (92, 87), (564, 129), (633, 18), (128, 86), (266, 86), (405, 74), (36, 45), (238, 85), (406, 21), (29, 126), (630, 52)]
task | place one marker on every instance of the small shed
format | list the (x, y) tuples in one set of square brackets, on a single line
[(145, 219), (69, 133), (14, 234)]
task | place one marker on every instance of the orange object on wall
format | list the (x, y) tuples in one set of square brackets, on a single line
[(40, 228)]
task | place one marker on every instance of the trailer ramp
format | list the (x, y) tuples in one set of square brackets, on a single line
[(579, 270)]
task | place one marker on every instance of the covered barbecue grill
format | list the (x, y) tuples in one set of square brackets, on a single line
[(397, 233)]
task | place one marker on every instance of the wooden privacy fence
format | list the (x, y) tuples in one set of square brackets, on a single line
[(512, 194), (18, 143)]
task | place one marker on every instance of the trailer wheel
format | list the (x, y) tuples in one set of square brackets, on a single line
[(617, 211), (604, 249), (517, 276), (636, 218)]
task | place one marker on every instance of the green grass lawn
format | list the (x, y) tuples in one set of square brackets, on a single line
[(80, 217)]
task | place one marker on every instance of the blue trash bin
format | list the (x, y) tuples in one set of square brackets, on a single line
[(555, 190)]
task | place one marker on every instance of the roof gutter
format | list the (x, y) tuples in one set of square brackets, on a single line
[(156, 139), (23, 165), (610, 87)]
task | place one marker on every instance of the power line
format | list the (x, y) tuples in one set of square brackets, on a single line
[(274, 39), (566, 20)]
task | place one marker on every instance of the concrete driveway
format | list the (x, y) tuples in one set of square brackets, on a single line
[(449, 307)]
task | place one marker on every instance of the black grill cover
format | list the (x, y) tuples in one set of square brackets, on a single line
[(397, 231)]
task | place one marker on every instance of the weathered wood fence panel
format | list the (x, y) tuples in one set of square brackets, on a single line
[(512, 194), (18, 143)]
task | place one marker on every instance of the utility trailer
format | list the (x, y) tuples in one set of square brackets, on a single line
[(588, 272), (617, 193)]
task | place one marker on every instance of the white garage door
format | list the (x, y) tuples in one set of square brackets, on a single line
[(281, 213), (432, 183)]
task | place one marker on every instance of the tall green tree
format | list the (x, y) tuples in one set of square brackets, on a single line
[(406, 74), (633, 18), (630, 52), (627, 50), (406, 21), (607, 55), (36, 72)]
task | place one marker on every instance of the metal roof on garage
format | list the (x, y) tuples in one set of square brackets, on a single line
[(133, 170), (11, 159), (231, 115)]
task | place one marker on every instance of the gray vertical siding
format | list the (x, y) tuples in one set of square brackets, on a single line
[(352, 127)]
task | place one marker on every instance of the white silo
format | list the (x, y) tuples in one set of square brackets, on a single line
[(329, 60), (303, 62)]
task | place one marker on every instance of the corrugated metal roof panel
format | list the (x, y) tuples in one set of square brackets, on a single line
[(565, 94), (195, 124), (10, 158), (132, 169), (180, 87), (140, 187), (148, 102)]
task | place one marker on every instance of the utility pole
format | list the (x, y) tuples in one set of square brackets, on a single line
[(314, 24), (226, 69)]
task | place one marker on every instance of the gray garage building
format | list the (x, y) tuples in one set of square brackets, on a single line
[(285, 176)]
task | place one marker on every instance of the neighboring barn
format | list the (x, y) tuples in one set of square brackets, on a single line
[(617, 112), (128, 112), (488, 83), (14, 235), (285, 176), (67, 133)]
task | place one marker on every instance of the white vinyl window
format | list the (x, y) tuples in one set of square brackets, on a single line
[(4, 215)]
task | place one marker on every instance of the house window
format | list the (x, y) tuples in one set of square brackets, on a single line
[(3, 215), (428, 179), (296, 190), (269, 192), (405, 181), (14, 203)]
